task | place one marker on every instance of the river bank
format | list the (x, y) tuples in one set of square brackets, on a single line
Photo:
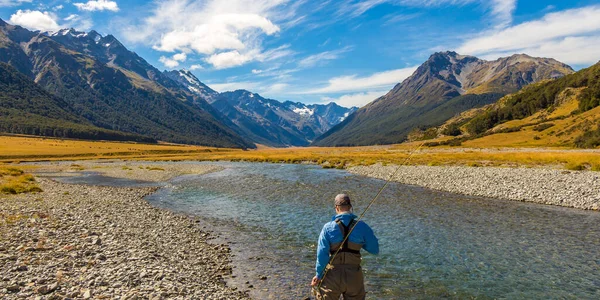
[(79, 241), (577, 189)]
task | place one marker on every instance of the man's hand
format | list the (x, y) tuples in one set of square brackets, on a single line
[(315, 281)]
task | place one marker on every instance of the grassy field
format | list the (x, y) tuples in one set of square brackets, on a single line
[(22, 149)]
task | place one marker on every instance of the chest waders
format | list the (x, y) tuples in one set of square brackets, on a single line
[(343, 254)]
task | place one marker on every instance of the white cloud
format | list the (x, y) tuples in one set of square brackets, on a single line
[(180, 57), (500, 10), (569, 35), (78, 22), (173, 61), (232, 86), (386, 79), (229, 59), (196, 67), (35, 20), (71, 17), (503, 10), (226, 33), (4, 3), (99, 5), (358, 99), (314, 59), (276, 88), (58, 7)]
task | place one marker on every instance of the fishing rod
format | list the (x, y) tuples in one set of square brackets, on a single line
[(317, 290)]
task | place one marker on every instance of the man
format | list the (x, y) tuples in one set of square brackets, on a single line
[(345, 274)]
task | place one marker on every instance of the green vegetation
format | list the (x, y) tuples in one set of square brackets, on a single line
[(589, 139), (25, 108), (542, 127)]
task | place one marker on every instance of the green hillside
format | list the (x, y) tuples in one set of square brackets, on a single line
[(26, 108)]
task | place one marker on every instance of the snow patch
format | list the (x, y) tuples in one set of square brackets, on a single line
[(342, 118), (304, 111)]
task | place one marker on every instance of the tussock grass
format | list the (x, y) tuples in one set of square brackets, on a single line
[(15, 181)]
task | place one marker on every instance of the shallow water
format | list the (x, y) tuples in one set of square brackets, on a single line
[(433, 244), (96, 178)]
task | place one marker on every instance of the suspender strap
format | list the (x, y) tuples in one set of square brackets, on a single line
[(345, 232)]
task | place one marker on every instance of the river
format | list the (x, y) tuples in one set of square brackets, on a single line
[(433, 244)]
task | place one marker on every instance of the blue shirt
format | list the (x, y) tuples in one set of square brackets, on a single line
[(332, 234)]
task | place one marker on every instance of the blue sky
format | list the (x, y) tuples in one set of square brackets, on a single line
[(349, 52)]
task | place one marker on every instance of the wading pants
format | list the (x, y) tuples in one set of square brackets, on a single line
[(346, 280)]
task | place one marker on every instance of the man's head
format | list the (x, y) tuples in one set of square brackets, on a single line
[(342, 203)]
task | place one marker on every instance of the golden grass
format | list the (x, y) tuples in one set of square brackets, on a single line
[(17, 148), (341, 157), (15, 181)]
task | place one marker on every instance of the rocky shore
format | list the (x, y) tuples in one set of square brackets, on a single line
[(578, 189), (91, 242)]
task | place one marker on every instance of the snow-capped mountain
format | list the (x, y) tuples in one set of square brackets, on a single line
[(279, 124), (193, 84)]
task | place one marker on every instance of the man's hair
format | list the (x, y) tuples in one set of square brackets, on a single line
[(342, 200)]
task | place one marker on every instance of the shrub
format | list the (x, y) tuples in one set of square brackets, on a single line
[(452, 130), (543, 126), (575, 166), (11, 171), (596, 168)]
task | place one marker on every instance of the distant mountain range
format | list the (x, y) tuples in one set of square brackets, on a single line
[(267, 121), (106, 86), (445, 85)]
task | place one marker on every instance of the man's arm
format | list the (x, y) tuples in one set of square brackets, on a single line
[(371, 242), (322, 253)]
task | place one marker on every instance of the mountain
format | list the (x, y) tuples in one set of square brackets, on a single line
[(273, 123), (186, 79), (112, 87), (266, 121), (26, 108), (561, 112), (446, 84)]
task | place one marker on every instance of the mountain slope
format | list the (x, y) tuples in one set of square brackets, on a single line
[(112, 87), (561, 112), (26, 108), (418, 101)]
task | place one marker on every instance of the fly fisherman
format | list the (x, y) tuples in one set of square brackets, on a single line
[(344, 275)]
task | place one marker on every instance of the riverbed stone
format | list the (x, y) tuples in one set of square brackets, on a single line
[(134, 250)]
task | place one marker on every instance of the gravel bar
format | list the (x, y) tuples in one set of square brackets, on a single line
[(578, 189), (93, 242)]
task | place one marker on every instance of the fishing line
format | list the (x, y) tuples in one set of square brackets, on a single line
[(406, 160)]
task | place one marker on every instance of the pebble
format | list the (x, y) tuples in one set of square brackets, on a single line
[(107, 243), (577, 189)]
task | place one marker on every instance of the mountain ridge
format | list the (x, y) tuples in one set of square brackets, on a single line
[(443, 77), (114, 88)]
